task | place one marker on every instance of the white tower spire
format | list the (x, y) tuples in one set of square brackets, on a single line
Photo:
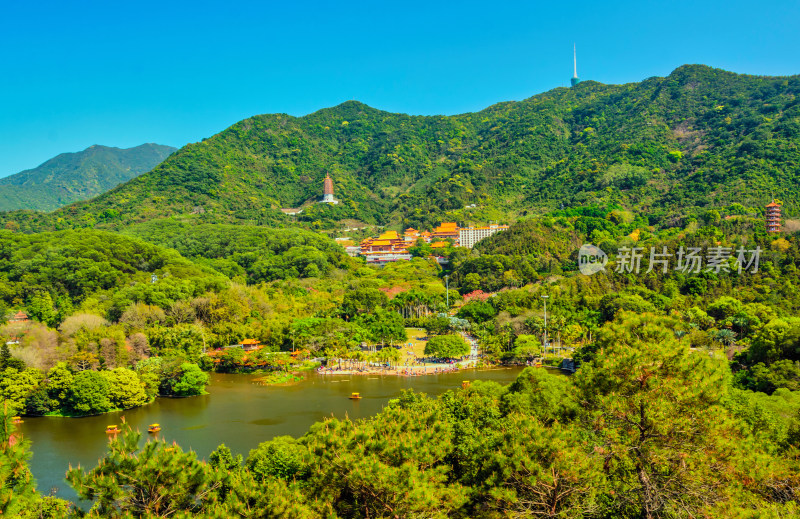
[(574, 62), (574, 81)]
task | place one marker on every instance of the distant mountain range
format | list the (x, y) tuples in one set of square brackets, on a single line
[(668, 148), (71, 177)]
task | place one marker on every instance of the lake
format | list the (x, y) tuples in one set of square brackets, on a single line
[(237, 412)]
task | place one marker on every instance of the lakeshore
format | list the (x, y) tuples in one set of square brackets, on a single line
[(237, 411)]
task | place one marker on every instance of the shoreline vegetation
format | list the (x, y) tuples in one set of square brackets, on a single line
[(696, 423)]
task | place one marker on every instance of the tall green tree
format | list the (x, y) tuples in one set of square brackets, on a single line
[(125, 389), (653, 411), (16, 386), (17, 486), (89, 393), (155, 480), (192, 381), (446, 346)]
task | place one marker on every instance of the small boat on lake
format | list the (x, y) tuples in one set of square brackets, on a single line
[(16, 420), (355, 396), (154, 428), (112, 429)]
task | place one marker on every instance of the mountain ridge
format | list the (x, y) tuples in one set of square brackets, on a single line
[(667, 147), (74, 176)]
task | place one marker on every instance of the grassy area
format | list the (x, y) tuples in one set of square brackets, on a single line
[(306, 365), (280, 378), (417, 346)]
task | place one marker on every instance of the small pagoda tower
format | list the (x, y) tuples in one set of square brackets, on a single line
[(327, 191), (773, 216)]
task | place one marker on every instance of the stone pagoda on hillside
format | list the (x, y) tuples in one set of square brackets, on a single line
[(327, 191)]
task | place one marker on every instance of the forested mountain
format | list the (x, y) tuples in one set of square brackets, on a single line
[(665, 147), (71, 177)]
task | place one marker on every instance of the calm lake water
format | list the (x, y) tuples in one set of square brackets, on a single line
[(237, 412)]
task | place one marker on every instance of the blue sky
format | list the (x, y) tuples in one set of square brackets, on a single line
[(78, 73)]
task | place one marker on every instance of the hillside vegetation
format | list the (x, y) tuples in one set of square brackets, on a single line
[(71, 177), (686, 403), (253, 253), (664, 147)]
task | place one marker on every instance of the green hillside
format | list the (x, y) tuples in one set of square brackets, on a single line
[(71, 177), (254, 254), (664, 147), (80, 264)]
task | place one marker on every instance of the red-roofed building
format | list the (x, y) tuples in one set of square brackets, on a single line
[(250, 344), (20, 317)]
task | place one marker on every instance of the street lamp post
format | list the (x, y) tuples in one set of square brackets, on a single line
[(545, 322), (447, 292)]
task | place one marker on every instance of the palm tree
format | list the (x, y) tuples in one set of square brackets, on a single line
[(725, 336), (741, 322), (392, 355)]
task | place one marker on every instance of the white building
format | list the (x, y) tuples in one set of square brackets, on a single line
[(469, 236), (382, 258)]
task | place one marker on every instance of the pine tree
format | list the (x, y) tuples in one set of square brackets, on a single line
[(159, 479), (5, 356), (654, 411), (17, 486), (224, 459)]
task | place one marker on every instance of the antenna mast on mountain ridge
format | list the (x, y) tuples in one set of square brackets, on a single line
[(574, 81)]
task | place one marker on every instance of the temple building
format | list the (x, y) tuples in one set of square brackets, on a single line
[(446, 231), (327, 191), (391, 246), (773, 216), (19, 317)]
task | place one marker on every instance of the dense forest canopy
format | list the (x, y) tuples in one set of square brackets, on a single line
[(82, 263), (119, 319), (256, 253)]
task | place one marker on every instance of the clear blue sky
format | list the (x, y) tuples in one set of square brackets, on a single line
[(79, 73)]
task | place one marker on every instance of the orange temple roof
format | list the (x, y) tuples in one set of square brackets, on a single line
[(447, 227), (389, 235)]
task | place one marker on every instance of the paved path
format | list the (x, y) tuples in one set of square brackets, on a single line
[(473, 350)]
